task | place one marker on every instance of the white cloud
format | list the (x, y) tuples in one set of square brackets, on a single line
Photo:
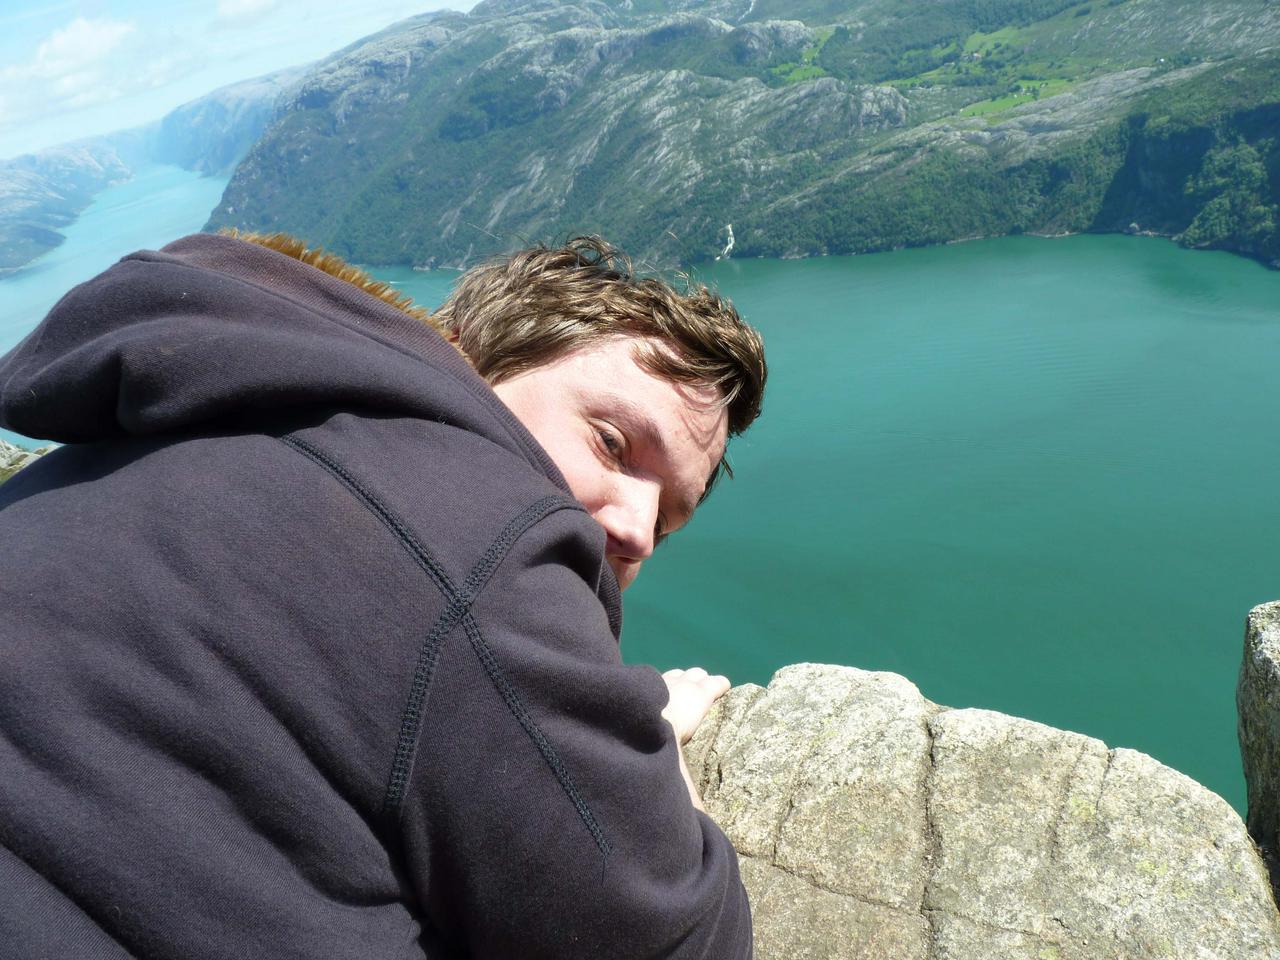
[(80, 44), (240, 11), (98, 74), (75, 67)]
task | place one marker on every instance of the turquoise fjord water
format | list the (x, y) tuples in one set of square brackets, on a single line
[(1031, 475), (1037, 476)]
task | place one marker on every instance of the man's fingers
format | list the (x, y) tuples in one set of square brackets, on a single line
[(717, 684), (712, 686), (690, 694)]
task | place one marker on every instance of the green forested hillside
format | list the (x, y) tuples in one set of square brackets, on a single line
[(1196, 159), (812, 127)]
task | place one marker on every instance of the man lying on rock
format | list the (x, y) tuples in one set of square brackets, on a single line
[(309, 644)]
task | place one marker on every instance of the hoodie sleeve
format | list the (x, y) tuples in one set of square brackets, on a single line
[(546, 815)]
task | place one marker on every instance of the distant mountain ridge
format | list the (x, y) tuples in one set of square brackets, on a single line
[(212, 133), (43, 192), (846, 127)]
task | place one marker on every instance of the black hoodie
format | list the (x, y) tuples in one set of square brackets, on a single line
[(307, 651)]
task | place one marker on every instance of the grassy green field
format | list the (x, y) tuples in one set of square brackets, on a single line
[(807, 67), (1017, 64), (1029, 91), (987, 43)]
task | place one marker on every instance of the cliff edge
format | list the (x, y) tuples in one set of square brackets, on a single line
[(1258, 706), (873, 823)]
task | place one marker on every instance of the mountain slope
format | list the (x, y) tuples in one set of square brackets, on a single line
[(212, 133), (862, 126)]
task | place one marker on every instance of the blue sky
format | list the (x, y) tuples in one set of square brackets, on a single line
[(75, 68)]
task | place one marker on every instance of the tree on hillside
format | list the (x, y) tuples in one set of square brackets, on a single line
[(1232, 185)]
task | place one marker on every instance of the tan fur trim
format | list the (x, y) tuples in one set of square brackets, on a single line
[(335, 266)]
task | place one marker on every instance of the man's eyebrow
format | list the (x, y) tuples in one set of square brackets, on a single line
[(640, 421)]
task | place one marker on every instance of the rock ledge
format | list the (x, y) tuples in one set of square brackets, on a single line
[(1258, 706), (872, 823)]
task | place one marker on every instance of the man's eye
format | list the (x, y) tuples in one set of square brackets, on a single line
[(611, 442)]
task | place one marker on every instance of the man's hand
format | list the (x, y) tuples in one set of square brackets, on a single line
[(690, 694)]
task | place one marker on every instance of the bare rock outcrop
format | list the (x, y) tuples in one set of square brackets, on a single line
[(872, 823), (1258, 707)]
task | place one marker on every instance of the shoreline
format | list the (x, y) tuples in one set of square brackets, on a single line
[(790, 256), (1133, 231)]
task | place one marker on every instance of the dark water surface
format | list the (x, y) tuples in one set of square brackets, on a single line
[(1038, 476)]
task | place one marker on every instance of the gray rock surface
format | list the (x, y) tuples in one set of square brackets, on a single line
[(14, 458), (872, 823), (1258, 707)]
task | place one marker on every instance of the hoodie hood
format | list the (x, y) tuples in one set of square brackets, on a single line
[(212, 330)]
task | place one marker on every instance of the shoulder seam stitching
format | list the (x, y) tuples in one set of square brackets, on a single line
[(428, 653), (511, 697), (458, 608), (419, 553)]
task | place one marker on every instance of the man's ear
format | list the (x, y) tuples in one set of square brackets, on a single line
[(450, 333), (452, 337)]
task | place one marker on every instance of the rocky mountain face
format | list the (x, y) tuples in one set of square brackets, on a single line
[(812, 127), (871, 823), (44, 192), (210, 135), (1258, 708)]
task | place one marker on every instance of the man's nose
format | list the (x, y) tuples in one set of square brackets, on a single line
[(629, 519)]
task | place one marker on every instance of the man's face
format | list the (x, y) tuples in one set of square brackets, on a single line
[(636, 449)]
